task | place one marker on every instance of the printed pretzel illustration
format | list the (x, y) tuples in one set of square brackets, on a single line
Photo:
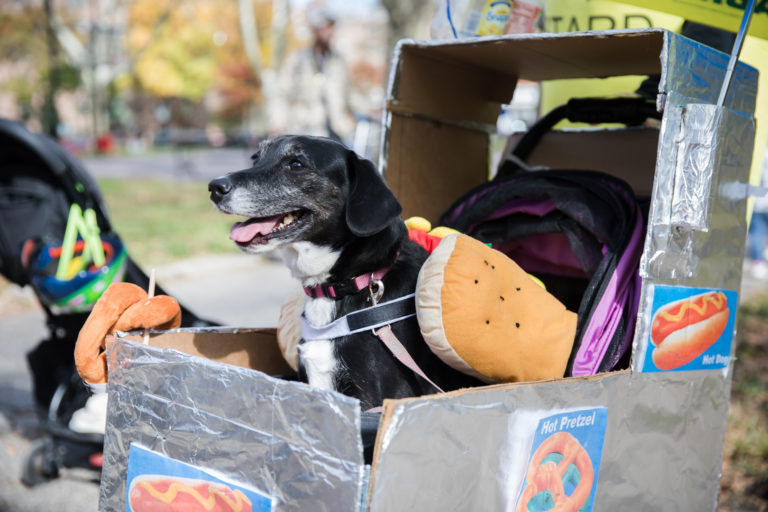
[(549, 476)]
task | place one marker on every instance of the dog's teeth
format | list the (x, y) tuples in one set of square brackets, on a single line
[(288, 219)]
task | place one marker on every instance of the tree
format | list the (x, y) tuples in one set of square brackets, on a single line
[(36, 69), (50, 115), (173, 46), (187, 49)]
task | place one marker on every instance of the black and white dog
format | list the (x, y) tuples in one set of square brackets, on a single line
[(337, 225)]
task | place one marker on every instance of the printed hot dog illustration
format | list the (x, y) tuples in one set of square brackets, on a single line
[(684, 329), (169, 494)]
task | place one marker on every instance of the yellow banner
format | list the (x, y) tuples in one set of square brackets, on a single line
[(724, 14), (578, 15)]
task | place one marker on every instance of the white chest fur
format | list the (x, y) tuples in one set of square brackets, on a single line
[(317, 356), (319, 312), (319, 362), (311, 264)]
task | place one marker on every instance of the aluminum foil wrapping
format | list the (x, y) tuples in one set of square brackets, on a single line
[(697, 221), (696, 229), (695, 72), (696, 232), (695, 167), (662, 447), (298, 446)]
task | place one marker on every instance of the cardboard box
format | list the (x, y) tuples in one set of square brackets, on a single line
[(643, 439)]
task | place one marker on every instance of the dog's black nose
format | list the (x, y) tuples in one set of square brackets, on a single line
[(219, 188)]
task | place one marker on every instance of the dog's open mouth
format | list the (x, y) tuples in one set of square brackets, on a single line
[(259, 230)]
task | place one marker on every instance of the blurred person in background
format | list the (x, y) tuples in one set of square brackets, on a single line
[(312, 96), (758, 230)]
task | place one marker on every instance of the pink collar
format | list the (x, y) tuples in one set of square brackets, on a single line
[(348, 287)]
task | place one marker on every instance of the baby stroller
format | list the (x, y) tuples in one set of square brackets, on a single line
[(55, 235)]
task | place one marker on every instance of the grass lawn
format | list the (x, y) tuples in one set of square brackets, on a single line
[(161, 221)]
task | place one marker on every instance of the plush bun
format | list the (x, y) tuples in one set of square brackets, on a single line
[(485, 316), (289, 327), (122, 307)]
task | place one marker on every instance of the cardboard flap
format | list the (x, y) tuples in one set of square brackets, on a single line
[(256, 349), (445, 97), (551, 56), (447, 88), (468, 80), (434, 165), (600, 150)]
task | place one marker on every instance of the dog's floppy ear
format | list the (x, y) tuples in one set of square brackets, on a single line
[(371, 206)]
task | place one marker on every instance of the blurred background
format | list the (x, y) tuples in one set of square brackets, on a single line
[(112, 76), (156, 97)]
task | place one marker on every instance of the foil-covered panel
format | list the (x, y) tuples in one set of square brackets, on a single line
[(299, 446), (697, 226), (695, 167), (696, 71), (662, 446)]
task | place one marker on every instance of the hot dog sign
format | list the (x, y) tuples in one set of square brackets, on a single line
[(691, 329), (158, 483)]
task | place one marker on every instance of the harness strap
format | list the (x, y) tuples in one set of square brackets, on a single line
[(394, 345), (377, 319), (364, 320)]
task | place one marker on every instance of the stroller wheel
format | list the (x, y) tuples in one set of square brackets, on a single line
[(40, 465)]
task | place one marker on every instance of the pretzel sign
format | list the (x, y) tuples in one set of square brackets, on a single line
[(549, 476)]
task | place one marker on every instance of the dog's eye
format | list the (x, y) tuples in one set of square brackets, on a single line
[(255, 158), (296, 164)]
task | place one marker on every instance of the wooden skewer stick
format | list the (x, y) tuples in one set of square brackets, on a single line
[(150, 294)]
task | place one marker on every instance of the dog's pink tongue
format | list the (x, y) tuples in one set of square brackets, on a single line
[(246, 231)]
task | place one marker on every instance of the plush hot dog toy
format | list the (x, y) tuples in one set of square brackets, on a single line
[(148, 494), (483, 315), (682, 330)]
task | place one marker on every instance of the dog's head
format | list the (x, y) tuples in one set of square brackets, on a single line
[(304, 189)]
